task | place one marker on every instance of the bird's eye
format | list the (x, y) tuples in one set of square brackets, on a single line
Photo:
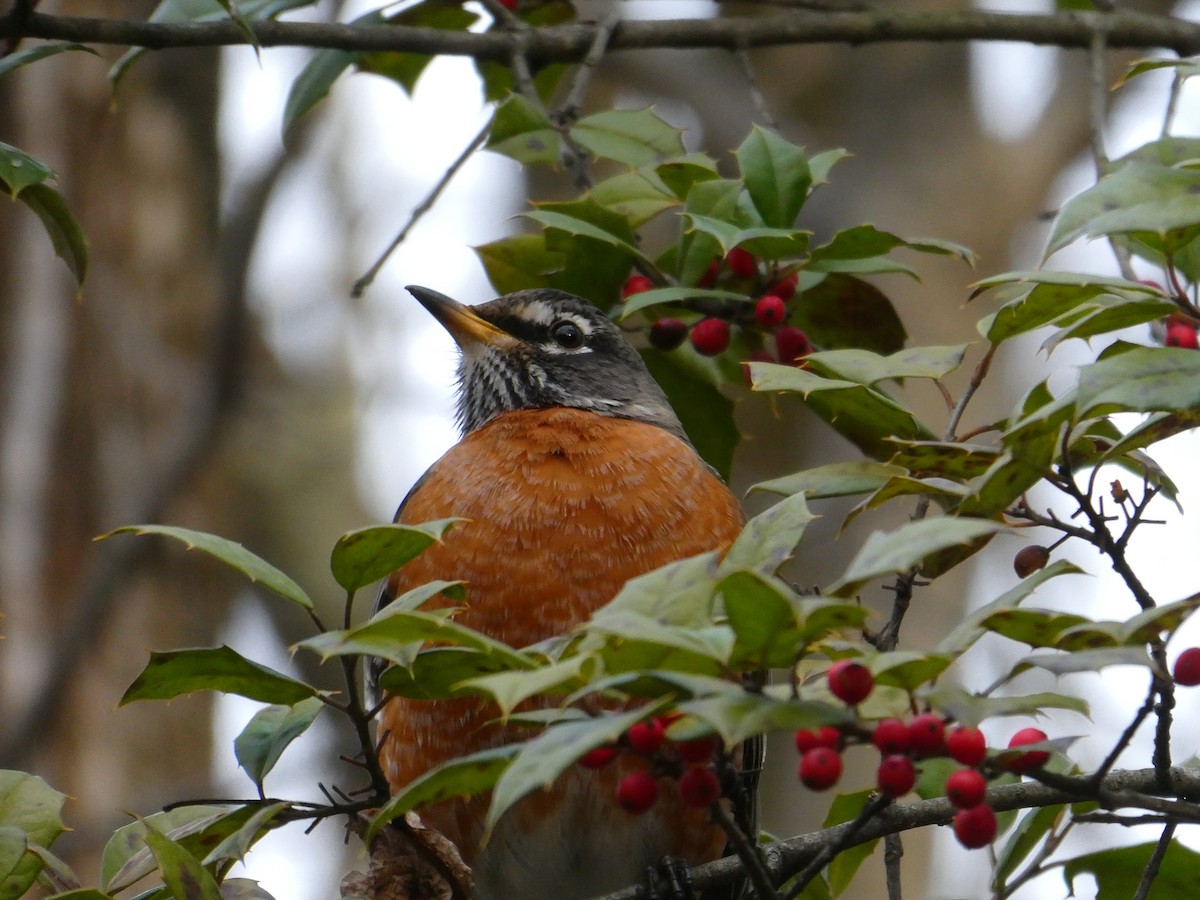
[(567, 335)]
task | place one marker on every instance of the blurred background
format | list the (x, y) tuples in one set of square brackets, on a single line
[(214, 372)]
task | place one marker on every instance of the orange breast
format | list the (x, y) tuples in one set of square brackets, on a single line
[(564, 507)]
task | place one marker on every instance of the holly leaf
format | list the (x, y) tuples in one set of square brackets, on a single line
[(364, 556), (634, 137), (263, 740), (175, 672), (521, 130), (232, 554), (776, 174), (30, 814)]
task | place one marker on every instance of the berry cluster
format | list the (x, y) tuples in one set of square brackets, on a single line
[(690, 763), (712, 335), (902, 744)]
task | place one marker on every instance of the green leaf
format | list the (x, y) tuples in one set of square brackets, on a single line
[(907, 669), (715, 198), (659, 296), (573, 224), (1146, 626), (631, 629), (234, 846), (1083, 660), (508, 689), (679, 593), (970, 709), (260, 744), (1029, 832), (30, 813), (394, 628), (1118, 871), (907, 547), (770, 243), (638, 196), (682, 173), (767, 540), (777, 176), (633, 137), (364, 556), (865, 367), (172, 673), (1145, 379), (952, 460), (182, 872), (438, 673), (519, 262), (706, 414), (843, 311), (540, 760), (834, 479), (14, 61), (232, 554), (19, 170), (865, 416), (312, 85), (406, 68), (70, 243), (1035, 627), (522, 131), (461, 777), (1036, 299), (763, 621), (1157, 204), (126, 858), (738, 715)]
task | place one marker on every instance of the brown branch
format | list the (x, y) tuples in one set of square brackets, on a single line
[(569, 42), (1132, 788)]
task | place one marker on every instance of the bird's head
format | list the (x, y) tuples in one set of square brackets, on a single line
[(544, 348)]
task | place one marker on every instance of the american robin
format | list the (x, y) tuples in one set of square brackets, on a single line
[(573, 475)]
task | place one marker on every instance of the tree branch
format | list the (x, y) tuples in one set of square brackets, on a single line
[(569, 42), (784, 857)]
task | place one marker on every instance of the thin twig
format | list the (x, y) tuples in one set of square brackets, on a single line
[(756, 95), (834, 846), (570, 108), (746, 852), (421, 209), (893, 851), (1156, 858)]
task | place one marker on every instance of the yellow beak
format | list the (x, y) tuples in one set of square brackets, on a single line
[(464, 326)]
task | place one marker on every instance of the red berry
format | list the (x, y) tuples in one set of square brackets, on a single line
[(637, 792), (820, 768), (755, 356), (1187, 667), (598, 757), (700, 750), (896, 775), (826, 736), (770, 311), (741, 262), (966, 788), (709, 278), (667, 334), (710, 336), (1034, 759), (927, 734), (850, 681), (890, 736), (510, 4), (975, 827), (635, 284), (1180, 334), (698, 786), (966, 745), (1029, 559), (791, 344), (786, 288), (646, 737)]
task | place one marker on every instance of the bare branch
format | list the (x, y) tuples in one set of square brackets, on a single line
[(569, 42)]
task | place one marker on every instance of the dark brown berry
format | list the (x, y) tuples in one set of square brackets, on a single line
[(1029, 559), (667, 334)]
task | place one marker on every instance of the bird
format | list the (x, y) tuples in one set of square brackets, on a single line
[(573, 474)]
